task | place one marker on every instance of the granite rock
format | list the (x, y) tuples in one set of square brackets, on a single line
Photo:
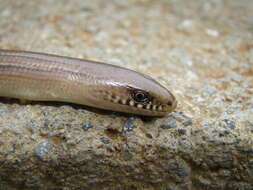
[(201, 50)]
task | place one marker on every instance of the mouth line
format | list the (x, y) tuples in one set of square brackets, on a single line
[(147, 107)]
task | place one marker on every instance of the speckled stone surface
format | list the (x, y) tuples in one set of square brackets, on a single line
[(201, 50)]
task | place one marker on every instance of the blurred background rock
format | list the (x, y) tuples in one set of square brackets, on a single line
[(201, 50)]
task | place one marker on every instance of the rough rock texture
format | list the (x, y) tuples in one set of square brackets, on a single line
[(201, 50)]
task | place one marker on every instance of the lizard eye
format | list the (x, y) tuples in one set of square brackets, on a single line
[(141, 97)]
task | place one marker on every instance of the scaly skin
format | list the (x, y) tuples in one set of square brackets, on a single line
[(45, 77)]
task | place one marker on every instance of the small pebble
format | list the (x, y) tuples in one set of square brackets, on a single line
[(46, 123), (45, 112), (42, 149), (185, 26), (212, 32), (170, 125), (224, 133), (179, 116), (187, 123), (105, 140), (230, 124), (133, 140), (149, 135), (129, 125), (181, 132), (186, 23), (87, 126)]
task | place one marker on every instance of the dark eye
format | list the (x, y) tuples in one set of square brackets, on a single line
[(141, 97)]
